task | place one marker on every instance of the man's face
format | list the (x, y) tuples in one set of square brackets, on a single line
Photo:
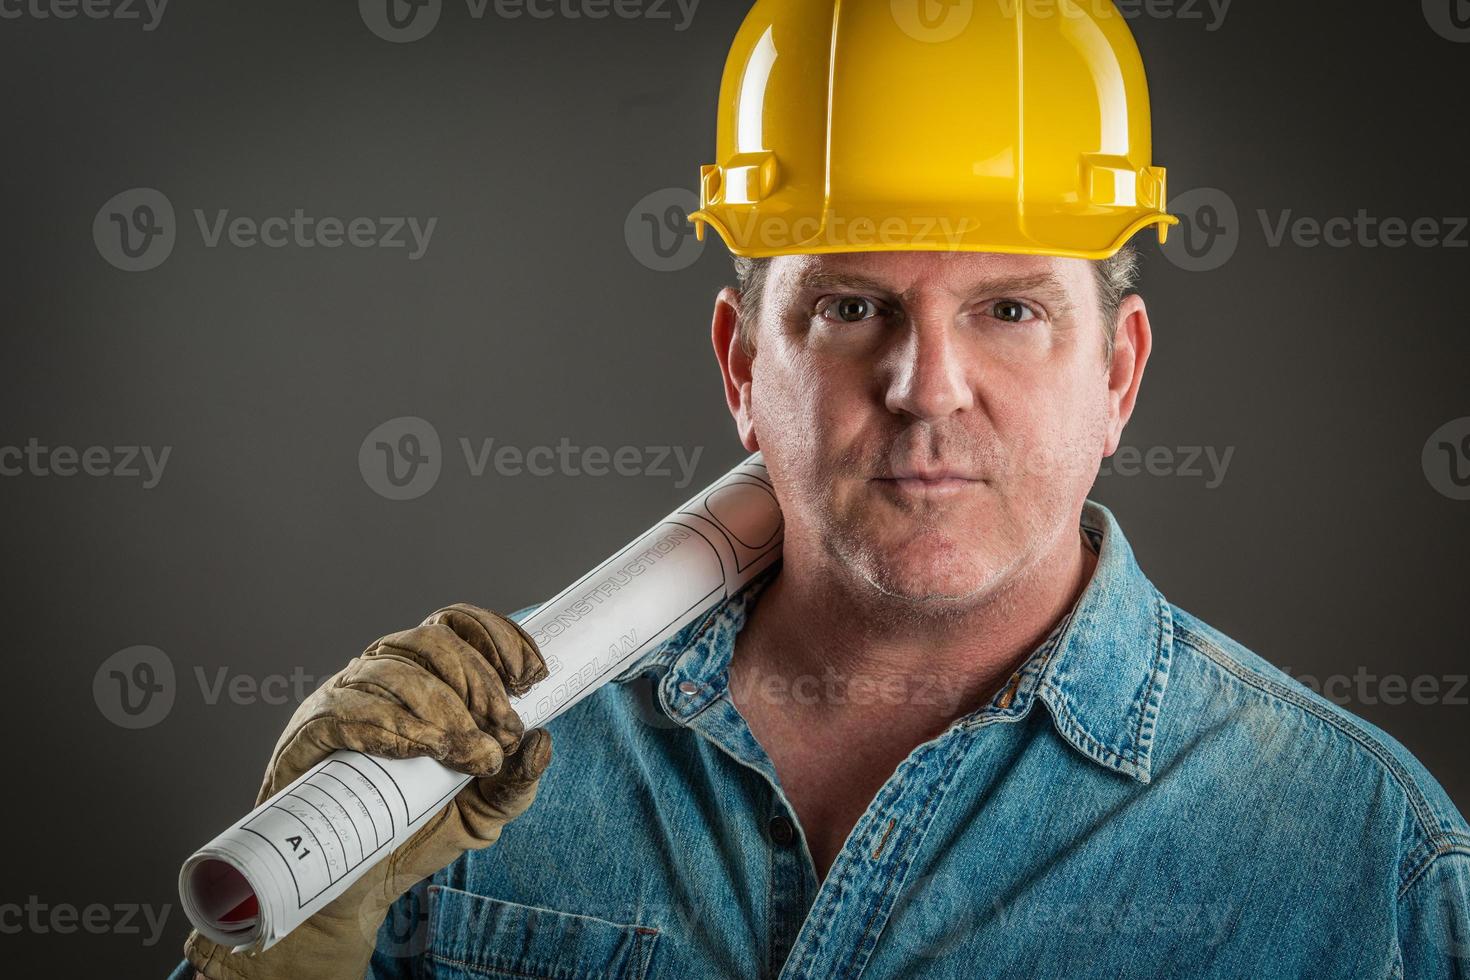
[(933, 420)]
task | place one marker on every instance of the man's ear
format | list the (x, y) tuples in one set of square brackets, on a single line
[(1132, 343), (735, 364)]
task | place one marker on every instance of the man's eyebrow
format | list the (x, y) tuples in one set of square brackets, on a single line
[(817, 279), (1044, 282)]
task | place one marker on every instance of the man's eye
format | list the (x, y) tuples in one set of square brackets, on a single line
[(851, 309), (1011, 311)]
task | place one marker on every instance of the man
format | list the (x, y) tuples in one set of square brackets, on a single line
[(956, 731)]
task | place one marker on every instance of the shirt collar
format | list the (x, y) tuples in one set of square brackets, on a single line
[(1104, 677), (1102, 671)]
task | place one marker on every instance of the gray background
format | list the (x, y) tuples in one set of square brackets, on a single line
[(263, 549)]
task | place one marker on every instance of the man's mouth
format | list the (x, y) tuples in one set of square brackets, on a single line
[(940, 485)]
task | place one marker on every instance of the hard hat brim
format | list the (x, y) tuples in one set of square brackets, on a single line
[(923, 235)]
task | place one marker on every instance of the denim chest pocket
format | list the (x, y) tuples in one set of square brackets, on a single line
[(473, 937)]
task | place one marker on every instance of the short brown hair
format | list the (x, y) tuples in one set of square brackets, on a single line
[(1117, 276)]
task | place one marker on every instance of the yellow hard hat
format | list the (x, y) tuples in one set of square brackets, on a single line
[(875, 125)]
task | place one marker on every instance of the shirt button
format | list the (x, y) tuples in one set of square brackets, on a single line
[(688, 687), (782, 830)]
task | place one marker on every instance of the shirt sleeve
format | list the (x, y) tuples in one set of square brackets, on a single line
[(1434, 920)]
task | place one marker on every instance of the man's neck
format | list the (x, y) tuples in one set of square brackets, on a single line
[(844, 660)]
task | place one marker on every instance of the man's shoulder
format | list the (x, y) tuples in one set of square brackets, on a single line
[(1290, 730)]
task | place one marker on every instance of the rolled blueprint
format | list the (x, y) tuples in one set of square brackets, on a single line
[(254, 883)]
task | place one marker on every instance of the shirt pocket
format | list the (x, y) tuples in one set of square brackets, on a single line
[(474, 937)]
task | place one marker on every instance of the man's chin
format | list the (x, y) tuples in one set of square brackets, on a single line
[(929, 590), (922, 570)]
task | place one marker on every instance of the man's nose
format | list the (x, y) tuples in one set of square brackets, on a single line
[(928, 376)]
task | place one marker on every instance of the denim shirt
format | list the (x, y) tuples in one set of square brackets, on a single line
[(1145, 798)]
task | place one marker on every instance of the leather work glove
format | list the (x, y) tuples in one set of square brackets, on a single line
[(441, 690)]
